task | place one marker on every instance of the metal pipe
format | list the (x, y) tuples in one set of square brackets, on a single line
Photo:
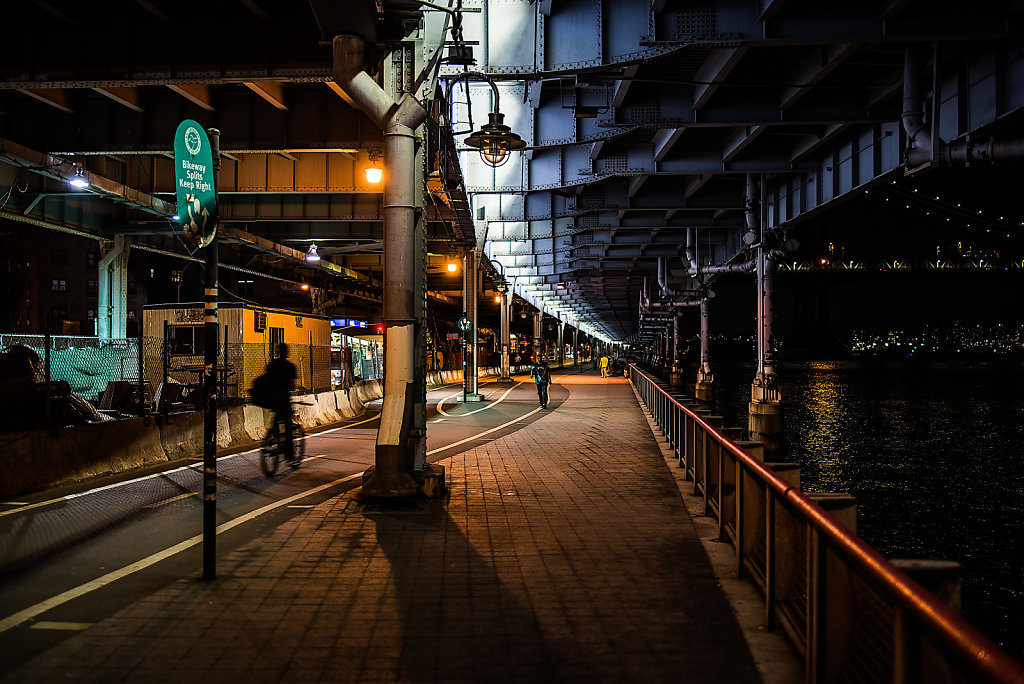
[(722, 268), (666, 291), (919, 142), (391, 476), (705, 336), (691, 258)]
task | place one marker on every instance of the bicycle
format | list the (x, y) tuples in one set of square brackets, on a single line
[(275, 446)]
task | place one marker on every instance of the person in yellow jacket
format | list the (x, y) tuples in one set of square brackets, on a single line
[(604, 366)]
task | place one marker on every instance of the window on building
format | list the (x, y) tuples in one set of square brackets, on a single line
[(92, 259), (90, 314), (186, 340), (245, 287), (91, 287), (275, 337), (152, 273), (175, 276), (59, 256), (58, 285), (59, 313), (131, 287), (132, 315)]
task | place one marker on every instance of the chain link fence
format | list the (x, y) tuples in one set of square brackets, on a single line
[(86, 364), (106, 372)]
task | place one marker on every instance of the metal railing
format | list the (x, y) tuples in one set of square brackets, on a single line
[(851, 613)]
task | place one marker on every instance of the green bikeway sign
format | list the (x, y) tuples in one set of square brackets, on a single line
[(193, 175)]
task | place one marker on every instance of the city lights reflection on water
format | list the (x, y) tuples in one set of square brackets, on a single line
[(826, 415), (932, 453)]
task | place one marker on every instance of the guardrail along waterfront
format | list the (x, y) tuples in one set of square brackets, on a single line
[(851, 613)]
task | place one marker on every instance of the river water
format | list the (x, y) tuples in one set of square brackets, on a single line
[(934, 453)]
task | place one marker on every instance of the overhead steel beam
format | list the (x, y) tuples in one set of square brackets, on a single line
[(713, 72)]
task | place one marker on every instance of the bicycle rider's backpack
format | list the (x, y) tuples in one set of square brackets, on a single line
[(542, 374), (262, 392)]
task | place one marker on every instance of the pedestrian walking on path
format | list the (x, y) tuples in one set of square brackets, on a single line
[(604, 366), (541, 375)]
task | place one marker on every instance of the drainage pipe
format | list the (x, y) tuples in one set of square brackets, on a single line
[(919, 139), (391, 475), (921, 148), (666, 291)]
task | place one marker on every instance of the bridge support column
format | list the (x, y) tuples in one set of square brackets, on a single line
[(506, 334), (676, 376), (765, 408), (561, 342), (538, 336), (112, 317), (400, 442), (470, 290), (705, 388)]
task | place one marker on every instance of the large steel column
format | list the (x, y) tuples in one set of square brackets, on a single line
[(470, 296), (561, 343), (538, 336), (398, 113), (705, 389), (576, 346), (676, 376), (112, 290), (765, 408), (506, 334)]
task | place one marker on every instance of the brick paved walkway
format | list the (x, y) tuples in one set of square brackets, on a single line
[(565, 554)]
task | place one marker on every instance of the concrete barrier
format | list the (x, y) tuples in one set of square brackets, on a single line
[(38, 459), (255, 421), (181, 434)]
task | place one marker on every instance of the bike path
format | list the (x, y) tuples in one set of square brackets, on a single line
[(564, 553), (65, 539)]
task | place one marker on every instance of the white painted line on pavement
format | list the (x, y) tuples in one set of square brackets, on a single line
[(485, 432), (500, 399), (65, 626), (100, 582)]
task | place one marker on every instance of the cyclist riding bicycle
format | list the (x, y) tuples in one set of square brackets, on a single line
[(281, 381)]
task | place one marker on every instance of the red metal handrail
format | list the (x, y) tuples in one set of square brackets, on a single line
[(968, 642)]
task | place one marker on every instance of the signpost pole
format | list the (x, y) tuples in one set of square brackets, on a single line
[(210, 387), (196, 167)]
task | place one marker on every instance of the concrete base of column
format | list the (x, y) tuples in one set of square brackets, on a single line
[(470, 396), (675, 378), (705, 392), (389, 478), (428, 483), (765, 425), (432, 481)]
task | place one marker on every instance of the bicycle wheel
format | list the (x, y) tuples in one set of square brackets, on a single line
[(270, 452), (299, 441)]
